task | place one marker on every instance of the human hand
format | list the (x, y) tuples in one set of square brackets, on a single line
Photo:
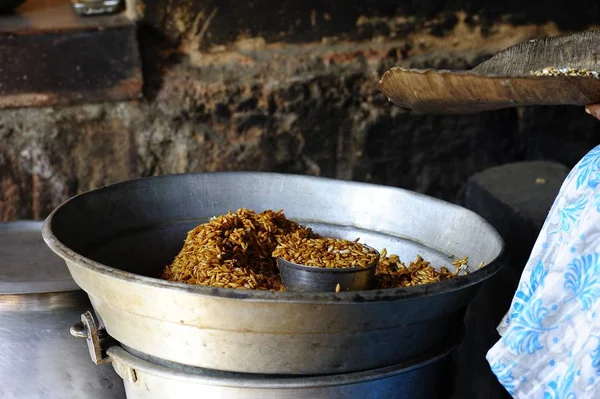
[(593, 110)]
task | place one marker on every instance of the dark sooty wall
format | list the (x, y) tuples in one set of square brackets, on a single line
[(289, 86)]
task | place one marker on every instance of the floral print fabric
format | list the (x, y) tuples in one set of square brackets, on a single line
[(550, 345)]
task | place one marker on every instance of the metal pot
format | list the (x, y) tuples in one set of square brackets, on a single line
[(117, 239), (38, 302), (422, 378)]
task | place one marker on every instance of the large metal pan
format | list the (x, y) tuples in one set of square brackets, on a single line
[(117, 239)]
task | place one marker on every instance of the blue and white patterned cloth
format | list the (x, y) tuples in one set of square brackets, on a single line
[(550, 345)]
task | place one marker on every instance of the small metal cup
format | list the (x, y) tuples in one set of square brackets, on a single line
[(304, 278)]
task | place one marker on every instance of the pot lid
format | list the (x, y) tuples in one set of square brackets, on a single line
[(27, 265)]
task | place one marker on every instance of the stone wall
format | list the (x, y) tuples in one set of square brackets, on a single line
[(289, 86)]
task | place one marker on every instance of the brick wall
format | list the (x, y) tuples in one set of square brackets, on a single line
[(289, 86)]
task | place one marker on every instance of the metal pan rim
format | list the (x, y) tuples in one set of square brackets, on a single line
[(380, 295)]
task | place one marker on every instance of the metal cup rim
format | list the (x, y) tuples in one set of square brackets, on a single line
[(340, 270)]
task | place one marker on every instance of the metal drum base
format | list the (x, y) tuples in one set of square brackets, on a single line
[(427, 377), (40, 360)]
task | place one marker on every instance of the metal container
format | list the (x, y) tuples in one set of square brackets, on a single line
[(298, 277), (116, 240), (38, 303), (422, 378)]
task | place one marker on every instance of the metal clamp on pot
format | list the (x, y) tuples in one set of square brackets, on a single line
[(98, 340), (99, 343)]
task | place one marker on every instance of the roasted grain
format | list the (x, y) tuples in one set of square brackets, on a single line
[(551, 71), (238, 251), (330, 253)]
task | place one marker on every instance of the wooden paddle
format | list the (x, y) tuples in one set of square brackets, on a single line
[(504, 80)]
